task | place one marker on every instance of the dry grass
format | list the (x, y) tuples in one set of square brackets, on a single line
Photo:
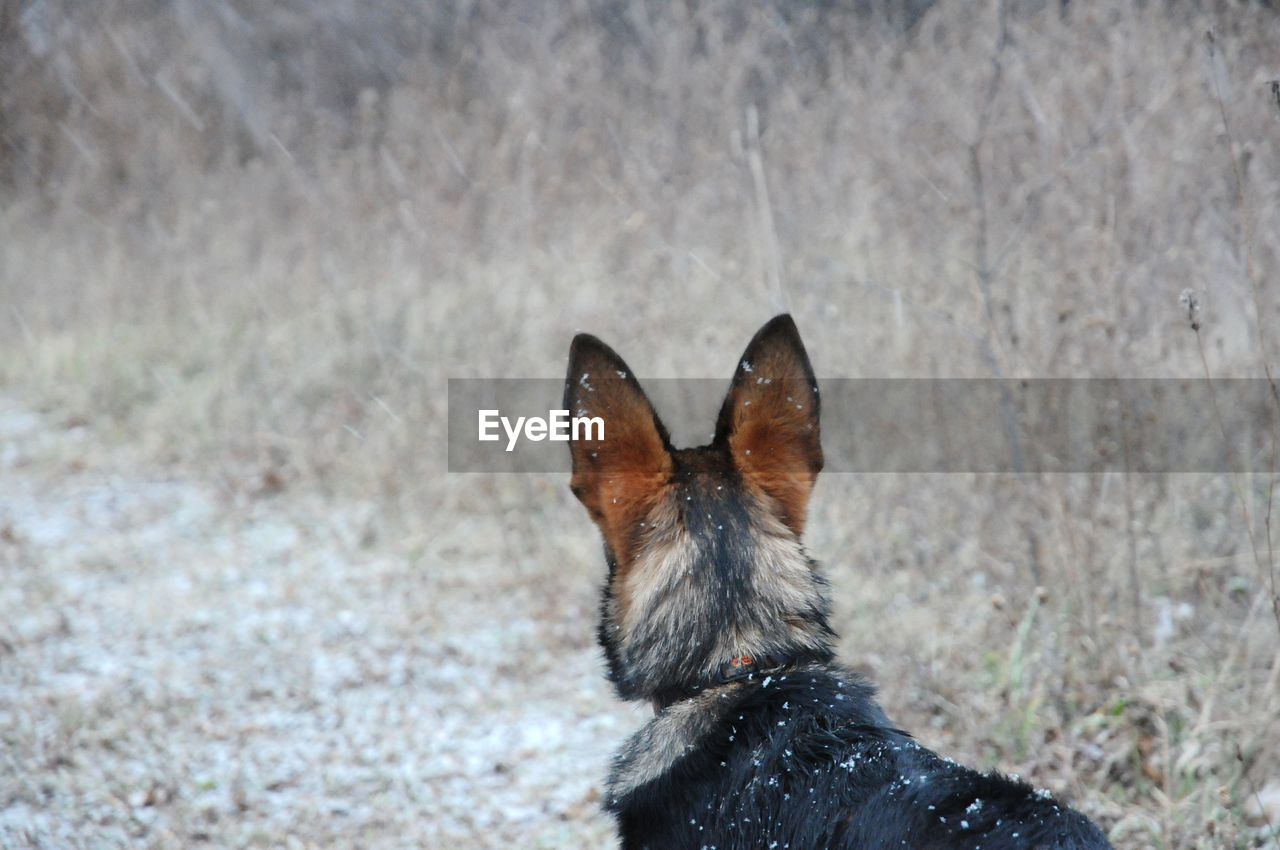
[(251, 245)]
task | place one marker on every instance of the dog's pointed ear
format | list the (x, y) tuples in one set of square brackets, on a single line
[(769, 420), (622, 459)]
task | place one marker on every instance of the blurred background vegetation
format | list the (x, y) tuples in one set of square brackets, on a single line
[(252, 240)]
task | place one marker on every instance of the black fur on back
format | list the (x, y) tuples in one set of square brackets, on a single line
[(807, 760)]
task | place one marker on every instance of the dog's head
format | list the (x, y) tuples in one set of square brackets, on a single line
[(703, 544)]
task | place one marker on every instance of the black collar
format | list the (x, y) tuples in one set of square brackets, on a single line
[(741, 668)]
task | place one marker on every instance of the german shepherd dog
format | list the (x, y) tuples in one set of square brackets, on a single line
[(714, 613)]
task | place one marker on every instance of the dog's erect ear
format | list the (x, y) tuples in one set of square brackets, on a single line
[(769, 420), (617, 474)]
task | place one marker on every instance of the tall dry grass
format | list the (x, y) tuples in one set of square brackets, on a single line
[(256, 240)]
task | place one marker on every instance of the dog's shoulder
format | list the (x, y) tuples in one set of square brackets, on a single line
[(809, 759), (736, 748), (646, 762)]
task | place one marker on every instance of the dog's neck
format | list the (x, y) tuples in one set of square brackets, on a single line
[(743, 670)]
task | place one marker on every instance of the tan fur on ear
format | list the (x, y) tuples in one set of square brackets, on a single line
[(770, 420), (620, 478)]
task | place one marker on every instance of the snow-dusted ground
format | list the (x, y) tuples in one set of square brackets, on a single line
[(183, 667)]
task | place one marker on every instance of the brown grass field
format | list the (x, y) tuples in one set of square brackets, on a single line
[(243, 246)]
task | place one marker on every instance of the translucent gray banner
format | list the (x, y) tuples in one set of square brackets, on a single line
[(919, 425)]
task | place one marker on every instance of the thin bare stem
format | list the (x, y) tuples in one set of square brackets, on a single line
[(1244, 213), (1222, 428)]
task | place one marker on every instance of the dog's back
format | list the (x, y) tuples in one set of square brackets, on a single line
[(809, 761), (714, 613)]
